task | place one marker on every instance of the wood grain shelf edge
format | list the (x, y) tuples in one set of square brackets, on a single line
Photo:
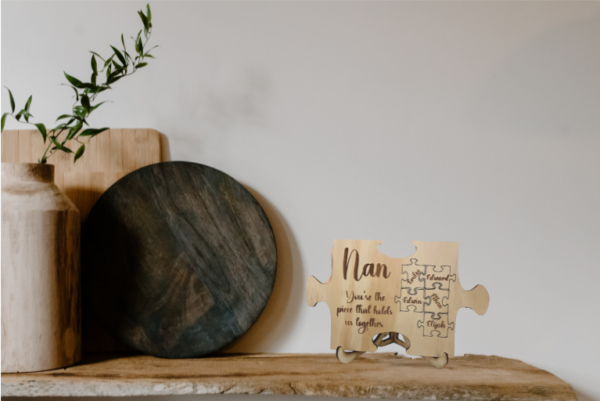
[(380, 375)]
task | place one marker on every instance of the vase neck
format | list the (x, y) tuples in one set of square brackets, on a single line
[(28, 172)]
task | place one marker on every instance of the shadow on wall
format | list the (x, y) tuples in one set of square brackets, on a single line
[(278, 319), (583, 396), (222, 100), (95, 337), (165, 149), (531, 91)]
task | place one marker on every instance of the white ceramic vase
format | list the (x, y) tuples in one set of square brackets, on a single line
[(41, 298)]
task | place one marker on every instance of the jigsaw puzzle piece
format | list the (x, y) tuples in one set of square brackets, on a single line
[(412, 275), (477, 299), (436, 301), (433, 327), (439, 276), (411, 300), (315, 291)]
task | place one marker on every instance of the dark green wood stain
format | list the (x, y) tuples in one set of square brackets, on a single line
[(178, 259)]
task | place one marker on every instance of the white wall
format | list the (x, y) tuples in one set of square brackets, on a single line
[(470, 122)]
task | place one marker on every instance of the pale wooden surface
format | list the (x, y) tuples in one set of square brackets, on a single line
[(417, 296), (108, 157), (41, 299), (373, 375)]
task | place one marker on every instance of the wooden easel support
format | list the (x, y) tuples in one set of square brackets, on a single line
[(383, 339)]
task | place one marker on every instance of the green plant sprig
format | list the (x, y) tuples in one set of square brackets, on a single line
[(119, 65)]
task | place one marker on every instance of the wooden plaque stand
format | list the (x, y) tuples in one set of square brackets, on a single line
[(373, 298)]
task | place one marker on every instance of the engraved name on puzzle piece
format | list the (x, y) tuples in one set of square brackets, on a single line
[(411, 301), (439, 275), (412, 274), (370, 293), (434, 327), (436, 301)]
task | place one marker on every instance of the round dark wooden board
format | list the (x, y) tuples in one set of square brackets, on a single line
[(178, 259)]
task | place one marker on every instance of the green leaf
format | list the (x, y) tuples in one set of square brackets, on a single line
[(141, 65), (118, 66), (139, 46), (114, 73), (19, 114), (74, 130), (113, 79), (12, 100), (63, 116), (98, 105), (76, 93), (107, 62), (93, 131), (148, 13), (3, 121), (144, 20), (85, 102), (119, 55), (59, 146), (60, 128), (73, 81), (148, 52), (79, 112), (99, 56), (42, 129), (94, 64), (93, 79), (79, 153), (123, 42), (87, 86), (28, 103)]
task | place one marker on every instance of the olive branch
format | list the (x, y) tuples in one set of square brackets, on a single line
[(119, 65)]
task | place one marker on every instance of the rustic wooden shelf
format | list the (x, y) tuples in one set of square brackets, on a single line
[(471, 377)]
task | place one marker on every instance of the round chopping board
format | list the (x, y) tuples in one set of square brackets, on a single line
[(178, 259)]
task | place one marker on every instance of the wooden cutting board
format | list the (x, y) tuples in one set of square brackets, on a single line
[(180, 259), (108, 157)]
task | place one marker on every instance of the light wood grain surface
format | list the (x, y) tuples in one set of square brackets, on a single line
[(418, 296), (379, 375), (41, 297), (108, 157)]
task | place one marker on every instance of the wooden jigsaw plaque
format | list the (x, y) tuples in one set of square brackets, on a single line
[(370, 294)]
